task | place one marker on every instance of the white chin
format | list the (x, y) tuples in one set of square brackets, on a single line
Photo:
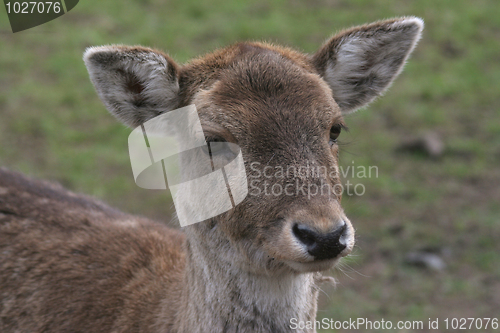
[(312, 266)]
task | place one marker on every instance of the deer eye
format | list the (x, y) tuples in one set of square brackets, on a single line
[(334, 133), (215, 146)]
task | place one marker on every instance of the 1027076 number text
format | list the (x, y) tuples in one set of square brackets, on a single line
[(32, 7)]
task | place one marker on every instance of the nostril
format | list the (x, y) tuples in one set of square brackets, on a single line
[(343, 234), (304, 234)]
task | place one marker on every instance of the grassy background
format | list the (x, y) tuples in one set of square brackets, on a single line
[(52, 125)]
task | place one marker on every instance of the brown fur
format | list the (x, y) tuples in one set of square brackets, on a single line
[(72, 264), (61, 252)]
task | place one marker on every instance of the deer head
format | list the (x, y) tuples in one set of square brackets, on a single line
[(285, 110)]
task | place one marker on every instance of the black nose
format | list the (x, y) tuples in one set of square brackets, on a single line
[(321, 246)]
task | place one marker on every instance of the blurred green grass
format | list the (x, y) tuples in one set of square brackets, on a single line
[(52, 125)]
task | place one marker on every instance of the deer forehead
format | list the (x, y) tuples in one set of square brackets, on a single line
[(269, 95)]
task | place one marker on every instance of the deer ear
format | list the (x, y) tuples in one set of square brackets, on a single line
[(135, 83), (359, 64)]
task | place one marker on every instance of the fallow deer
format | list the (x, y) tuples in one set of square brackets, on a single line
[(69, 263)]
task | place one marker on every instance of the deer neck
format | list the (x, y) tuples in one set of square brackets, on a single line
[(219, 296)]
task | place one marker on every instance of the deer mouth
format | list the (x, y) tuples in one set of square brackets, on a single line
[(313, 266)]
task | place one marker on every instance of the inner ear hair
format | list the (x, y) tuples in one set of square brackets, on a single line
[(135, 83), (360, 63)]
